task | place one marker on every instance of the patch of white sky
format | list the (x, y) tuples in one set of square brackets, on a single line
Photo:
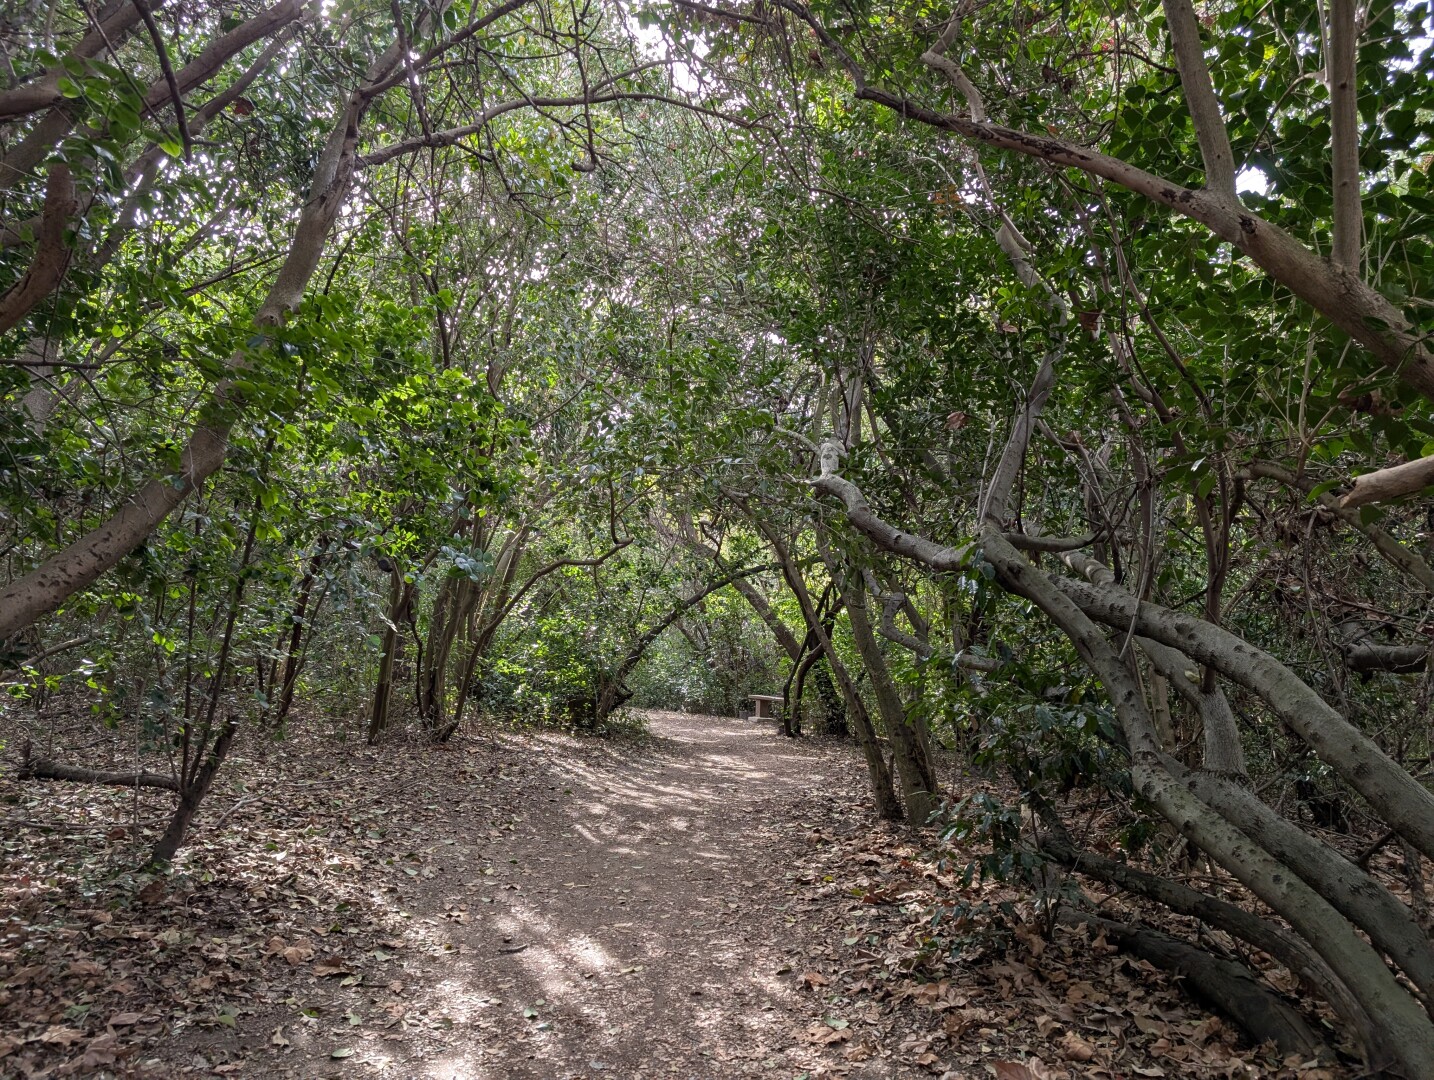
[(653, 43), (1251, 179)]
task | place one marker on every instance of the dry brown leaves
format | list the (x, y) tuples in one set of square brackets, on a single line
[(291, 916), (957, 999), (104, 970)]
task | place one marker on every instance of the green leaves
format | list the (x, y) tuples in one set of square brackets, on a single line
[(474, 564)]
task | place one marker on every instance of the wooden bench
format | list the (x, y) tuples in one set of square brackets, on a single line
[(765, 706)]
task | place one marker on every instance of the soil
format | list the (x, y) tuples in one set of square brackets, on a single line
[(628, 921), (709, 899)]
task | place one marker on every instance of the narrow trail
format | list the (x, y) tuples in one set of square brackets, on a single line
[(618, 911), (635, 923), (711, 901)]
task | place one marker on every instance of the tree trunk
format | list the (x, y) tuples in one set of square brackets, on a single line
[(289, 681), (451, 609), (792, 690), (193, 793), (465, 690), (1398, 1021), (198, 767), (888, 807), (1355, 894), (832, 708), (1400, 799), (400, 595), (1282, 945), (913, 763), (1402, 1023)]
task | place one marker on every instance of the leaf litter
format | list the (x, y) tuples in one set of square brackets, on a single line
[(337, 926)]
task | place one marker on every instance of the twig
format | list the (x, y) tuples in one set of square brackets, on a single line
[(28, 823), (54, 650), (245, 801), (1362, 861), (164, 66)]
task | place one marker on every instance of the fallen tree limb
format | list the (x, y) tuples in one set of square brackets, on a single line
[(1223, 984), (43, 769)]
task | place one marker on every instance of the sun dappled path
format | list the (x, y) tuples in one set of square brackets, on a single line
[(626, 916), (712, 901), (633, 918)]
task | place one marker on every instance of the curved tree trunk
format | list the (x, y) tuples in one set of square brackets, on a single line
[(1282, 945), (1228, 987), (1357, 895), (1400, 799), (1337, 292), (919, 789), (1402, 1023), (1399, 1022), (888, 807)]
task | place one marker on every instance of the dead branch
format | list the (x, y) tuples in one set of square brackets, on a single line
[(1384, 485), (44, 769)]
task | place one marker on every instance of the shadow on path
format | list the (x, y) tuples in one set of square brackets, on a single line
[(630, 919)]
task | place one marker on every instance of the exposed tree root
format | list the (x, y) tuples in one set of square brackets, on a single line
[(1223, 984)]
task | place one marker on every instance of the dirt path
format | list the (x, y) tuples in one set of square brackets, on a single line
[(581, 910), (518, 905), (714, 901), (631, 922)]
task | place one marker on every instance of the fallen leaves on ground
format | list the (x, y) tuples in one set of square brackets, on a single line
[(293, 906), (283, 943), (965, 981)]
